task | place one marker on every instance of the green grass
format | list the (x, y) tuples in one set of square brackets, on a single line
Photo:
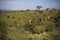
[(18, 26)]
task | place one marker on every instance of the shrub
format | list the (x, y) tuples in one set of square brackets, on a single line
[(8, 16), (57, 20), (39, 29), (3, 31), (13, 17), (27, 9), (40, 11), (28, 27), (48, 28)]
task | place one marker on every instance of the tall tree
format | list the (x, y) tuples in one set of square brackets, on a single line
[(38, 7)]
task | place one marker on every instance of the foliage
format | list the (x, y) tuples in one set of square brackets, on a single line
[(19, 28), (3, 31)]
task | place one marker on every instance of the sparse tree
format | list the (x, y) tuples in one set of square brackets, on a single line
[(27, 9), (38, 7), (47, 9), (0, 10), (53, 9)]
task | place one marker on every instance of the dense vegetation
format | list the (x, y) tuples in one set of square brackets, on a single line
[(30, 25)]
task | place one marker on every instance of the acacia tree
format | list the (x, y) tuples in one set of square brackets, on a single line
[(0, 10), (38, 7), (47, 9)]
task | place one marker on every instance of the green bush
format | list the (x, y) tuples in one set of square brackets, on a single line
[(3, 31)]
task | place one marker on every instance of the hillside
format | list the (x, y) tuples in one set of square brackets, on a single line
[(30, 25)]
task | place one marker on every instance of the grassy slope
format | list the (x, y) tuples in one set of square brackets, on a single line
[(17, 32)]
